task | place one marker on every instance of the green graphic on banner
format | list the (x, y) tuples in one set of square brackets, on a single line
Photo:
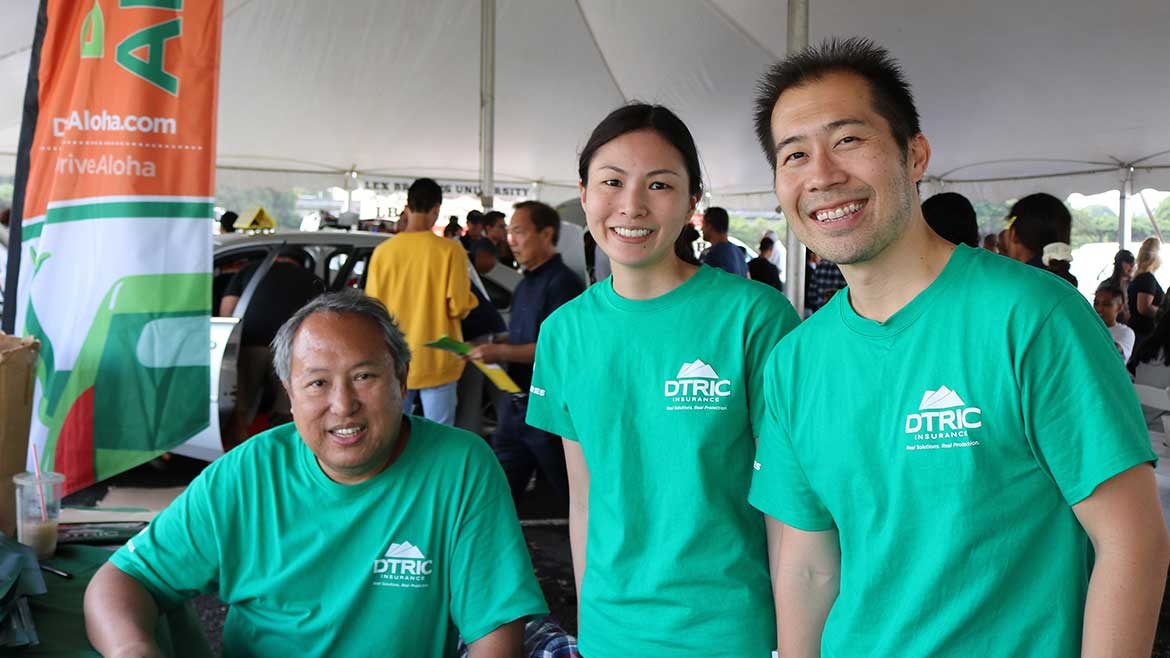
[(160, 319), (93, 33)]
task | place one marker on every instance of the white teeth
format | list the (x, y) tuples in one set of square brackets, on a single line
[(837, 213), (631, 232), (347, 431)]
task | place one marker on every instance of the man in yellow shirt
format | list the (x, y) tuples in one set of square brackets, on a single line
[(423, 280)]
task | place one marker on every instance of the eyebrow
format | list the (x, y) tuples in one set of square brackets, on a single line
[(649, 173), (827, 128), (361, 364)]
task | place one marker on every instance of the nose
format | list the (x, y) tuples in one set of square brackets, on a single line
[(824, 172), (633, 201), (343, 400)]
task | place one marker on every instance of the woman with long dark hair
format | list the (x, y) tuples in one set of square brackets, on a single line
[(654, 378)]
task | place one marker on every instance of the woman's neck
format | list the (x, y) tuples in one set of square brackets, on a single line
[(652, 281)]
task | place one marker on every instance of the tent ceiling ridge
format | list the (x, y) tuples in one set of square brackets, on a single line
[(600, 52), (1111, 165), (265, 158), (739, 28)]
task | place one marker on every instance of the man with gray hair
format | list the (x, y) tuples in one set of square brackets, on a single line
[(320, 533)]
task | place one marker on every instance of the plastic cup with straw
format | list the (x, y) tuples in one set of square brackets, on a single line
[(37, 522)]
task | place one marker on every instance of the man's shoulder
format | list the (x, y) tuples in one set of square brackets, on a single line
[(564, 276), (1006, 280), (721, 282), (451, 446), (589, 303)]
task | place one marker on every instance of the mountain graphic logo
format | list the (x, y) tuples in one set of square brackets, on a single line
[(405, 550), (696, 370), (943, 398)]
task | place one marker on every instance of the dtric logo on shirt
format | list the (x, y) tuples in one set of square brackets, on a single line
[(697, 382), (403, 565), (942, 415)]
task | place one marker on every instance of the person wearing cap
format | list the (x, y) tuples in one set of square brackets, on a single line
[(285, 288), (359, 530), (1123, 266)]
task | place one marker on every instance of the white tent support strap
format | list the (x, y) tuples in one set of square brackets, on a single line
[(487, 102), (794, 285), (1124, 224)]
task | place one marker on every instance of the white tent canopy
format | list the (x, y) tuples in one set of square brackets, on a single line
[(1016, 96)]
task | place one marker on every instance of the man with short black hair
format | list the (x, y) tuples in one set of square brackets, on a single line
[(358, 530), (548, 283), (721, 253), (761, 268), (940, 498), (423, 280), (496, 229)]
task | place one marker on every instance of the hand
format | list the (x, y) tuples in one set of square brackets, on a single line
[(488, 353)]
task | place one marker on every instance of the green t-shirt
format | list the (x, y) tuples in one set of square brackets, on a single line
[(664, 396), (398, 565), (947, 446)]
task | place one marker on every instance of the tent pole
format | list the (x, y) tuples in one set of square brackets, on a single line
[(794, 281), (487, 102), (1124, 223), (1150, 213)]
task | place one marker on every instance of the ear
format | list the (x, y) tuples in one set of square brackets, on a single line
[(546, 234), (581, 190), (918, 156)]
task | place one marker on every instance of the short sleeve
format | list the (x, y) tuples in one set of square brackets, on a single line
[(779, 486), (772, 324), (1080, 411), (547, 409), (1145, 283), (375, 286), (492, 580), (460, 299), (176, 557)]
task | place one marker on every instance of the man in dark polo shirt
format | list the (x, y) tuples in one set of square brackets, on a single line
[(547, 284)]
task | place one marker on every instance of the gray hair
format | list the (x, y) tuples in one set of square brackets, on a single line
[(349, 301)]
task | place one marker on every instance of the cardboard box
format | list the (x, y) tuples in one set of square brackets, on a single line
[(18, 362)]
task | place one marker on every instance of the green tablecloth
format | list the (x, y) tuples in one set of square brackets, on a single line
[(61, 624)]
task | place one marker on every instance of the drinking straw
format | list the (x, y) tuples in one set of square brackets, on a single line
[(40, 485)]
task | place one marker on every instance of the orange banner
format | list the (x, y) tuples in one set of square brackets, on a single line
[(115, 237), (127, 100)]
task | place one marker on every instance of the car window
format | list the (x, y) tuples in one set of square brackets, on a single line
[(346, 267)]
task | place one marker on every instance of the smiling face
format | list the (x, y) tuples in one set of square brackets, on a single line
[(346, 398), (843, 183), (636, 199)]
